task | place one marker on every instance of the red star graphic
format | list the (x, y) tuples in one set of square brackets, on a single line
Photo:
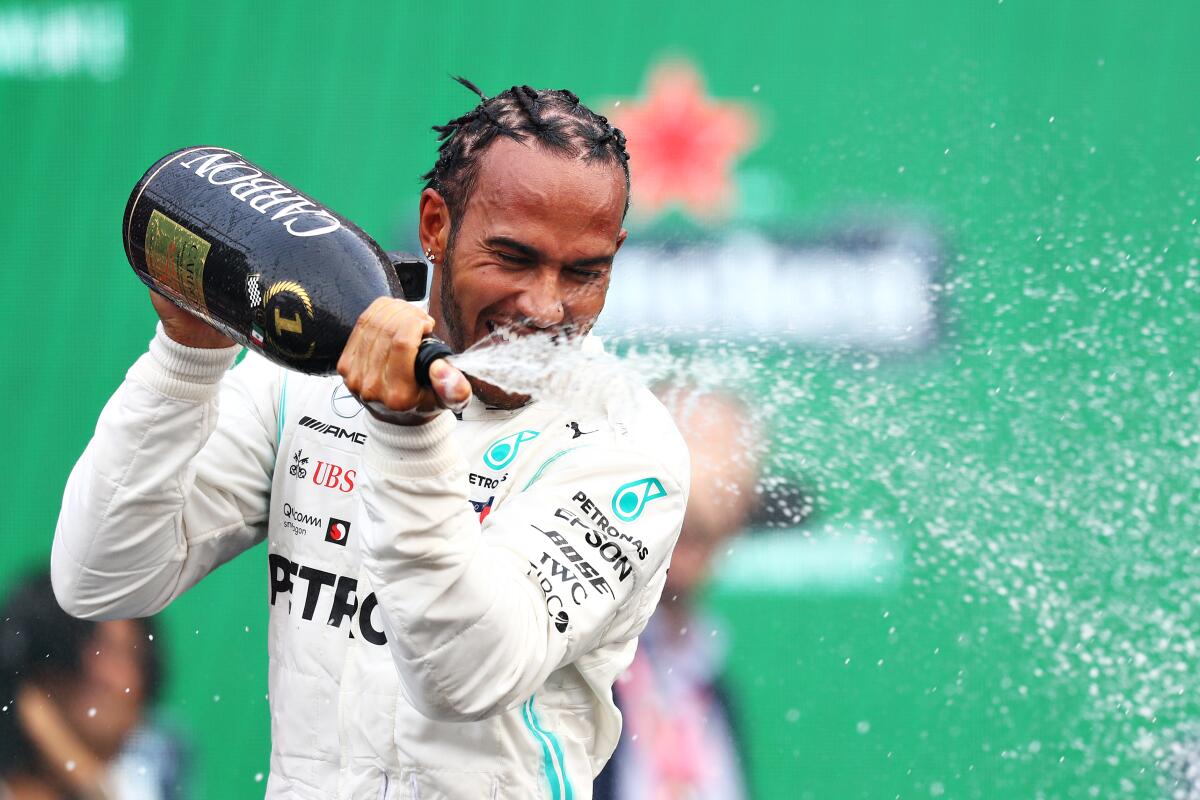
[(682, 144)]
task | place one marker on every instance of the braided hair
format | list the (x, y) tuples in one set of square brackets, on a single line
[(554, 118)]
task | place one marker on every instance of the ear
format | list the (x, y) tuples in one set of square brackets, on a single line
[(624, 234), (433, 226)]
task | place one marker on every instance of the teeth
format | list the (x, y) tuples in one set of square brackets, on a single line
[(504, 333)]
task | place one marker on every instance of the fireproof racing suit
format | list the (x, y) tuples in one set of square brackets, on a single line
[(449, 603)]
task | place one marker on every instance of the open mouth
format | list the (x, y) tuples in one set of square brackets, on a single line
[(501, 332), (507, 332)]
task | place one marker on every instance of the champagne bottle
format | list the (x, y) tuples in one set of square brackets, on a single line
[(264, 264)]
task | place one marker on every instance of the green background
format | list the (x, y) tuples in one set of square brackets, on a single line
[(1037, 469)]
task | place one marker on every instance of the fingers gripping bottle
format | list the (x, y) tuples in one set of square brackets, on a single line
[(266, 265)]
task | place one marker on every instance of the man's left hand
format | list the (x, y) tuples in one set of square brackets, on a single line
[(379, 361)]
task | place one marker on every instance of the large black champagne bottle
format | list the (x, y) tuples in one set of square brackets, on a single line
[(266, 265)]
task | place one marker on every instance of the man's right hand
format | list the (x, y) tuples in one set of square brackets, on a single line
[(186, 328)]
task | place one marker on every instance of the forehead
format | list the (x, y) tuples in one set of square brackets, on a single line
[(523, 190)]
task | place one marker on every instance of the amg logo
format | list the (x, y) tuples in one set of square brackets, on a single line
[(333, 430)]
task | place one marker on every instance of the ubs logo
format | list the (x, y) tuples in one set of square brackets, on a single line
[(299, 466), (325, 474), (328, 475)]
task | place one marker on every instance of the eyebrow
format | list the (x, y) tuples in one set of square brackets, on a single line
[(532, 253)]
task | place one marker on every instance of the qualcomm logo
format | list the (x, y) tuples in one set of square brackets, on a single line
[(502, 451), (629, 500)]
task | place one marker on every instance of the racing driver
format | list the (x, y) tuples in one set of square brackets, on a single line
[(451, 596)]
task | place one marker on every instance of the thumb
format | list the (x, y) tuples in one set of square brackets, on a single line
[(450, 385)]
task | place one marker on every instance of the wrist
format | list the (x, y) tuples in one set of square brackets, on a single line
[(181, 372), (187, 363), (413, 451), (197, 337), (405, 418)]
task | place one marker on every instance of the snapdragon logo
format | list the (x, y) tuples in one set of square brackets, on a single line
[(502, 451), (338, 531), (629, 501)]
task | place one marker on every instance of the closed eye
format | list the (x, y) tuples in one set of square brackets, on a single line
[(587, 274), (514, 259)]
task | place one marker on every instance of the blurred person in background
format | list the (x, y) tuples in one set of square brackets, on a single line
[(74, 696), (679, 740)]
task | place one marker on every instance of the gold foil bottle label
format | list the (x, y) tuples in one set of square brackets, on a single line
[(175, 257)]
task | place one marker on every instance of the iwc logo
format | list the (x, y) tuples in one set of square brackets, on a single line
[(288, 319)]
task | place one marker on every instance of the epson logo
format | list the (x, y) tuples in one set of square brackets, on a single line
[(333, 430), (299, 215)]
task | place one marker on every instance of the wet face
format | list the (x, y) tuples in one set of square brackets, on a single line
[(533, 250)]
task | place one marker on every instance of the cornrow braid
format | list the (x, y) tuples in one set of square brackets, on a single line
[(472, 87), (553, 118)]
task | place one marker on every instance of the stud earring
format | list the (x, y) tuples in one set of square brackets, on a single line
[(429, 255)]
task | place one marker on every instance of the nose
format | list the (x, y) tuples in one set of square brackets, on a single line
[(541, 302)]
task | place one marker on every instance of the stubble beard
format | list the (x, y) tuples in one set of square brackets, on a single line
[(450, 307), (456, 337)]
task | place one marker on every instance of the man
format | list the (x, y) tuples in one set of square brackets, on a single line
[(450, 597)]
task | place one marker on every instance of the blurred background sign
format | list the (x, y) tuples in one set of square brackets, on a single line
[(949, 250), (48, 41), (868, 288)]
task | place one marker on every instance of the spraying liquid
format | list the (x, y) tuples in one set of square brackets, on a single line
[(1049, 578), (551, 368)]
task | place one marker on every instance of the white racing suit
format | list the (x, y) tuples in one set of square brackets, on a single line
[(449, 603)]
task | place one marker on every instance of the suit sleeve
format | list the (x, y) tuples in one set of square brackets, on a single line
[(479, 615), (174, 482)]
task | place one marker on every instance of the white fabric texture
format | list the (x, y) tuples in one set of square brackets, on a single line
[(449, 604)]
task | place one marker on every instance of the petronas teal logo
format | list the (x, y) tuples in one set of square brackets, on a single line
[(502, 451), (631, 498)]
